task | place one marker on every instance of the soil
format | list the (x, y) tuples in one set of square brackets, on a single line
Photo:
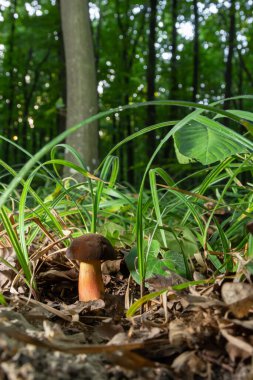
[(202, 332)]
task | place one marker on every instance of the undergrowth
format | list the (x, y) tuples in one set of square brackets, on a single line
[(167, 225)]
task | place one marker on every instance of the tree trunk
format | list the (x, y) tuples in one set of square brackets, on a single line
[(173, 95), (231, 46), (61, 113), (151, 72), (174, 81), (11, 90), (129, 45), (195, 82), (240, 84), (81, 80), (242, 66)]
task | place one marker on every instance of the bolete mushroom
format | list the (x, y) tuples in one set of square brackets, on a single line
[(90, 249)]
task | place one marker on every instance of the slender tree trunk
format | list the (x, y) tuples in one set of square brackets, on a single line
[(129, 45), (61, 114), (240, 84), (29, 91), (195, 82), (151, 72), (243, 67), (174, 81), (231, 47), (96, 37), (11, 94), (81, 79), (173, 111)]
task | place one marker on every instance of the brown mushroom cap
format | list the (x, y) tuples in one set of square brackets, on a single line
[(249, 227), (91, 247)]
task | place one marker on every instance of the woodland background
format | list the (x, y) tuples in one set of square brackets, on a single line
[(198, 51)]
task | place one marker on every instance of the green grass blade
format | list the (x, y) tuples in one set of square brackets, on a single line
[(35, 159), (109, 170), (21, 255)]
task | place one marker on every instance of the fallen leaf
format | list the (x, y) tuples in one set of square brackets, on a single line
[(179, 333), (58, 275), (189, 361), (159, 282), (235, 352), (246, 324), (111, 266), (237, 342), (108, 329), (57, 345), (238, 297), (7, 256), (130, 360)]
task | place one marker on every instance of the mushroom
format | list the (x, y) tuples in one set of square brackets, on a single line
[(90, 249)]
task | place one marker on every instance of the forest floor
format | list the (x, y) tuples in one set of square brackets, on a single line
[(206, 332)]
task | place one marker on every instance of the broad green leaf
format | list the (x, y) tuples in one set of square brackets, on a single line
[(245, 115), (199, 142), (180, 157), (175, 261), (181, 238), (154, 264), (151, 253)]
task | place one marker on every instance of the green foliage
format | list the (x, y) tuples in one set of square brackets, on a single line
[(2, 300), (32, 78), (172, 237), (208, 142)]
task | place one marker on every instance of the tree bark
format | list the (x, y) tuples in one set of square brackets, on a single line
[(242, 66), (11, 90), (129, 46), (81, 80), (29, 91), (195, 82), (61, 113), (174, 81), (151, 72), (231, 47)]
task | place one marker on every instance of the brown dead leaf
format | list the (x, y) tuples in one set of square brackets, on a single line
[(8, 254), (238, 297), (246, 324), (58, 275), (235, 291), (58, 345), (12, 318), (130, 360), (234, 352), (241, 308), (111, 266), (80, 307), (158, 282), (202, 301), (238, 342), (108, 329), (189, 361), (65, 315), (179, 333)]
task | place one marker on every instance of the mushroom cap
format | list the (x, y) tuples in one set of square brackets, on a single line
[(249, 227), (90, 247)]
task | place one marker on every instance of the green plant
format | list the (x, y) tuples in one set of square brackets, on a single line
[(182, 210)]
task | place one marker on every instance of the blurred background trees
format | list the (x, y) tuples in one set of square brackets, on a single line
[(144, 50)]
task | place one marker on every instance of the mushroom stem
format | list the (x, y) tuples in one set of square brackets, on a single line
[(90, 285)]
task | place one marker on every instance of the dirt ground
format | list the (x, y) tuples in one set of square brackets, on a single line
[(204, 332)]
